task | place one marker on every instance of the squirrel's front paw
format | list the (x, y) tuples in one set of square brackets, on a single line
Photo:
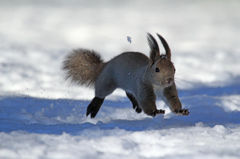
[(160, 111), (182, 112)]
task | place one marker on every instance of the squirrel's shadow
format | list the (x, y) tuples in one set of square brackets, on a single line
[(48, 116)]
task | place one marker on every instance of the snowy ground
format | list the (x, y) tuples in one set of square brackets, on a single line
[(42, 116)]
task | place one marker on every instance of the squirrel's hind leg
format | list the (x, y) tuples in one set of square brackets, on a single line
[(134, 102), (94, 106), (102, 89)]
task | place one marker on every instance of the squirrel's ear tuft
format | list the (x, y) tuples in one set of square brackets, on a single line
[(166, 47), (154, 52)]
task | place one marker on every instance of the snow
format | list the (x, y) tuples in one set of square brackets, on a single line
[(43, 116)]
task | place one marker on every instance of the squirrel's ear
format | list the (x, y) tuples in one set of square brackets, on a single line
[(154, 52), (166, 47)]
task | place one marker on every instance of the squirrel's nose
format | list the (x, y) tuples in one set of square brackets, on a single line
[(170, 80)]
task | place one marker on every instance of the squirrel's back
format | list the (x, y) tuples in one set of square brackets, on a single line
[(83, 66), (126, 68)]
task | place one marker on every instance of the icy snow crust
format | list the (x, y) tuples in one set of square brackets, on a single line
[(42, 116)]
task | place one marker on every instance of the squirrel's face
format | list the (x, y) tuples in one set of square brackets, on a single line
[(161, 68), (162, 72)]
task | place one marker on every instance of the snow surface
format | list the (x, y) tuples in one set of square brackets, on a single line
[(42, 116)]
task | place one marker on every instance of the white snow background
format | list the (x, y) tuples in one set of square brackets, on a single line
[(43, 116)]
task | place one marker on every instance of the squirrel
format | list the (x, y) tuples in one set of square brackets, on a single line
[(142, 78)]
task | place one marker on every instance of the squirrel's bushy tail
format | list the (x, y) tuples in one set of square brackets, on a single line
[(83, 66)]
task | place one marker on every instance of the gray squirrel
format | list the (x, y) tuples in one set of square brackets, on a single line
[(142, 78)]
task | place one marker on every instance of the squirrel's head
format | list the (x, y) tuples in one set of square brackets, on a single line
[(161, 68)]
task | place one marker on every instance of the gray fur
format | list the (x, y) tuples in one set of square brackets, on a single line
[(144, 79)]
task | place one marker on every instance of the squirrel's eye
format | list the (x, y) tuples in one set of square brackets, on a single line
[(157, 69)]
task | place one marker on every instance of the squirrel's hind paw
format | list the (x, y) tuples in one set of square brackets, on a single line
[(138, 110)]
